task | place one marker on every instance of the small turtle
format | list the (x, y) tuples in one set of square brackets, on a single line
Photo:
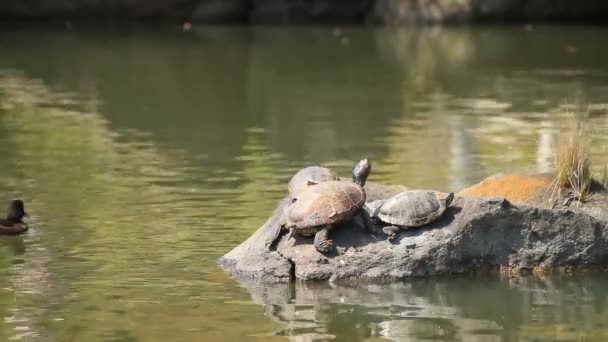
[(319, 208), (409, 209), (307, 176)]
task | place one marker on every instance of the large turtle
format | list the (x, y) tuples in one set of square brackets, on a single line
[(409, 209), (318, 208), (307, 176)]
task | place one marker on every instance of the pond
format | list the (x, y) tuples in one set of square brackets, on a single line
[(144, 156)]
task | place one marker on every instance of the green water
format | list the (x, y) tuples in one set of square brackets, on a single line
[(143, 157)]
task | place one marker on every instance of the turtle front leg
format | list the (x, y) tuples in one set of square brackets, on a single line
[(391, 231), (322, 242), (368, 223)]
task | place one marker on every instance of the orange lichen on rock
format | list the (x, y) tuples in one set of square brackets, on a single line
[(516, 189)]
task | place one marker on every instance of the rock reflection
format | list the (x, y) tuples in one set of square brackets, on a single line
[(459, 94), (464, 309), (545, 152)]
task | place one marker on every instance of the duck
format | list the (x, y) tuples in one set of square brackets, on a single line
[(13, 223)]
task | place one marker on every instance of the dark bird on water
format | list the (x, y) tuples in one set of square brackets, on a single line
[(13, 223)]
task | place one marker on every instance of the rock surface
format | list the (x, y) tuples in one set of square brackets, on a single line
[(517, 189), (301, 12), (258, 257), (541, 191), (430, 11), (474, 234)]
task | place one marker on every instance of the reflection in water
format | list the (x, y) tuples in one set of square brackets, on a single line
[(547, 141), (144, 157), (488, 309), (31, 285), (464, 164)]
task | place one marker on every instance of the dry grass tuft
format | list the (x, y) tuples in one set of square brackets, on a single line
[(573, 164)]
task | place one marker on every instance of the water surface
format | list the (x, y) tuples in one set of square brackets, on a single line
[(143, 157)]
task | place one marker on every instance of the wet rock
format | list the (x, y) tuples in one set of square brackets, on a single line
[(221, 11), (314, 11), (429, 11), (301, 12), (421, 11), (475, 234)]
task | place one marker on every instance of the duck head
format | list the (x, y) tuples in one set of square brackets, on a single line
[(16, 211)]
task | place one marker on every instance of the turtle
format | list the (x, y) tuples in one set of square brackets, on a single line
[(307, 176), (409, 209), (319, 208)]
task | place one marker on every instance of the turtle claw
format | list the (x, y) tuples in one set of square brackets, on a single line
[(291, 231), (391, 231), (322, 242), (325, 246)]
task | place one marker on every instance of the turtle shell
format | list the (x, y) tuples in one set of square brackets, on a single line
[(325, 203), (413, 208), (303, 178)]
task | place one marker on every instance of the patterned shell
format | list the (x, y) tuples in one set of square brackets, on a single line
[(413, 208), (316, 174), (326, 203)]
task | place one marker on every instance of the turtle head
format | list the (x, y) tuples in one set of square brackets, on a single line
[(449, 198), (288, 224), (16, 211), (361, 171), (373, 209)]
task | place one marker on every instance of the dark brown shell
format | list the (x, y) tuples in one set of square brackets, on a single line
[(316, 174), (326, 203)]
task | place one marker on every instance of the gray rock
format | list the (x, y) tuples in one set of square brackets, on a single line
[(300, 11), (422, 11), (311, 11), (429, 11), (474, 234), (221, 11)]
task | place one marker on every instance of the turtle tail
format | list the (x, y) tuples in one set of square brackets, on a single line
[(449, 199)]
